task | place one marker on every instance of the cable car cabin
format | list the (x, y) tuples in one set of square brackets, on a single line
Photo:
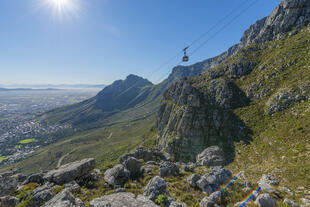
[(185, 58)]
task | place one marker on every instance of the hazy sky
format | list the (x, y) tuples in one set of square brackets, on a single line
[(99, 41)]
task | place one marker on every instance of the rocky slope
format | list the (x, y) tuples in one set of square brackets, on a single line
[(199, 112), (144, 177)]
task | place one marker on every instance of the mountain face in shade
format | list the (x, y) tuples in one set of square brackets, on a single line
[(122, 94)]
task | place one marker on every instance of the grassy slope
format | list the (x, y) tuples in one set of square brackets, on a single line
[(105, 144), (281, 142)]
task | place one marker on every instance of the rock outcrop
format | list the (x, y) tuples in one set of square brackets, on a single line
[(64, 199), (156, 186), (121, 200), (70, 171), (40, 195), (265, 200), (144, 154), (288, 14), (192, 117), (211, 156), (8, 184), (8, 201), (117, 175), (168, 169), (211, 181)]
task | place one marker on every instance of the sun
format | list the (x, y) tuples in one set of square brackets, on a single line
[(62, 8)]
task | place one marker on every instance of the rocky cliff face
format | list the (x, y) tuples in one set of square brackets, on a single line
[(193, 117), (288, 14)]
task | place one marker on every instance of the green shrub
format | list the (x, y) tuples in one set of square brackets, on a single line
[(161, 200)]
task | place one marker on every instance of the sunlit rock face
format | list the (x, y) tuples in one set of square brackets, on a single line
[(288, 14)]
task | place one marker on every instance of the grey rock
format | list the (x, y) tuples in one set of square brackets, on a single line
[(192, 180), (290, 203), (70, 171), (288, 14), (208, 203), (211, 156), (64, 199), (265, 200), (286, 190), (40, 195), (133, 166), (118, 189), (73, 187), (117, 175), (269, 179), (266, 181), (122, 200), (20, 177), (193, 117), (156, 186), (148, 169), (8, 185), (189, 167), (210, 182), (283, 99), (34, 178), (145, 154), (177, 204), (168, 169), (8, 201), (305, 201)]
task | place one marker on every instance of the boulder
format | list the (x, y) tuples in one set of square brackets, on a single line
[(192, 180), (148, 169), (34, 178), (117, 175), (265, 200), (189, 167), (40, 195), (8, 201), (210, 182), (20, 177), (206, 202), (73, 187), (64, 199), (266, 181), (269, 179), (156, 186), (286, 190), (145, 154), (211, 156), (122, 200), (288, 202), (8, 185), (168, 169), (133, 166), (70, 171)]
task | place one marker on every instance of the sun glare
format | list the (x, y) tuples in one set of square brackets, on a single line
[(62, 8)]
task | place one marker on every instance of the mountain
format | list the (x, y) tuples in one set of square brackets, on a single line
[(247, 109), (253, 105)]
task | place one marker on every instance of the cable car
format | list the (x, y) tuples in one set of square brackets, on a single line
[(185, 57)]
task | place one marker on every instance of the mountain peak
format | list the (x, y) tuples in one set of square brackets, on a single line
[(287, 15)]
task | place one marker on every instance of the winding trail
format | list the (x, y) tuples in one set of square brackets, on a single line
[(110, 135), (63, 157)]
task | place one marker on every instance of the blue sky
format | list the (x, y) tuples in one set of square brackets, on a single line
[(105, 40)]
